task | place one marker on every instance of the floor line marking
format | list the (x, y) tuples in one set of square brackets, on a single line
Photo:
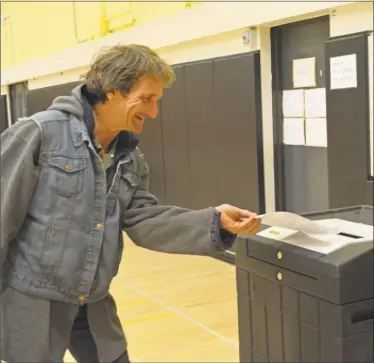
[(147, 318), (178, 312), (132, 302)]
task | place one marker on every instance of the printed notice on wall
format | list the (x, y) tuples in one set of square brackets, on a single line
[(293, 131), (316, 132), (343, 72), (293, 103), (304, 72), (371, 95), (315, 102)]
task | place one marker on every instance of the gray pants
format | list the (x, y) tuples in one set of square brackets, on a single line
[(82, 344), (41, 331)]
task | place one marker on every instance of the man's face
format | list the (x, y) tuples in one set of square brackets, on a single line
[(127, 113)]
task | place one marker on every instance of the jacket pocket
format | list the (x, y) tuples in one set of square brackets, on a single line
[(67, 174), (131, 179), (128, 185)]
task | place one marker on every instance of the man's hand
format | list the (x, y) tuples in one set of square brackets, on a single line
[(238, 221)]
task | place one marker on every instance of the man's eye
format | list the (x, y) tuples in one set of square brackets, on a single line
[(147, 99)]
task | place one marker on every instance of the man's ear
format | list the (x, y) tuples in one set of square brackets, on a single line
[(110, 95), (113, 95)]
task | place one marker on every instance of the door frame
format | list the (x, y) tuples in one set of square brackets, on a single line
[(18, 100)]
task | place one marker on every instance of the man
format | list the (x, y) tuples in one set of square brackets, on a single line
[(72, 179)]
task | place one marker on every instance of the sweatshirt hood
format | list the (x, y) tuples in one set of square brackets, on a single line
[(72, 104)]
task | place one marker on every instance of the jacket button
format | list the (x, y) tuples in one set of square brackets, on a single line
[(100, 226), (81, 298), (68, 167)]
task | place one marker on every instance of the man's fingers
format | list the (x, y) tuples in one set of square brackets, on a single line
[(238, 221), (255, 227), (246, 213), (249, 226)]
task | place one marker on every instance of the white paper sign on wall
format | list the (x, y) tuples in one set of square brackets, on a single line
[(316, 132), (315, 102), (293, 103), (293, 131), (343, 72), (304, 72)]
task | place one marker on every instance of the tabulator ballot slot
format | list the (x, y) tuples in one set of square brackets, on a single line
[(306, 298), (349, 235)]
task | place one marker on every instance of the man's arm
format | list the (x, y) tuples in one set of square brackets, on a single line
[(19, 174), (172, 229)]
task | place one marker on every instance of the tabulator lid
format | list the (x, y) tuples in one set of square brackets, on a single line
[(322, 236)]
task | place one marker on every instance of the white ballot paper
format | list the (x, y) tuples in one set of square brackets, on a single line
[(295, 222), (324, 236)]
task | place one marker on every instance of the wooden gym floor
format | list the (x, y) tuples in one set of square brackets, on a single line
[(176, 308)]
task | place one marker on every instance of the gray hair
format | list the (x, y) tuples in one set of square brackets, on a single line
[(117, 68)]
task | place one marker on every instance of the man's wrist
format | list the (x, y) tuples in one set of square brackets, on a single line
[(221, 236)]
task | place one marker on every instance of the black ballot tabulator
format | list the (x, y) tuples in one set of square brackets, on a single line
[(302, 299)]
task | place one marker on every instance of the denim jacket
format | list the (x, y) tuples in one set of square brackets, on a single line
[(61, 224)]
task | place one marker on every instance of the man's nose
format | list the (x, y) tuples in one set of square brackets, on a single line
[(153, 109)]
